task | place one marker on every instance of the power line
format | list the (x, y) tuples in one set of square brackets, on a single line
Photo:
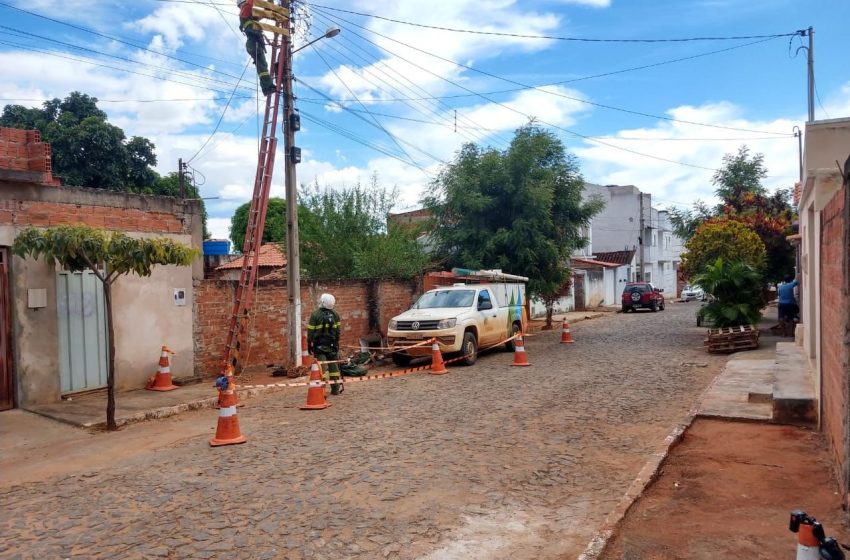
[(26, 34), (375, 119), (554, 37), (378, 67), (529, 117), (558, 94), (86, 61), (124, 42), (354, 138), (220, 118)]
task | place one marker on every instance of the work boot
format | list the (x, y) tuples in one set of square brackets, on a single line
[(267, 86), (336, 389)]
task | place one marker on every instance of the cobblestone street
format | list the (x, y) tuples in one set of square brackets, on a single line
[(489, 461)]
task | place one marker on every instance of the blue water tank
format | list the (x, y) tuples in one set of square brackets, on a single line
[(216, 247)]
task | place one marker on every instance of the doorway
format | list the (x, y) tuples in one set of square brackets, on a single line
[(82, 331)]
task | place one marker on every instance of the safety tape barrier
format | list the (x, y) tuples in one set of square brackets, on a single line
[(418, 344), (362, 379)]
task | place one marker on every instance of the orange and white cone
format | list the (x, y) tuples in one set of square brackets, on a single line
[(305, 355), (316, 391), (227, 431), (566, 337), (438, 367), (520, 359), (162, 380)]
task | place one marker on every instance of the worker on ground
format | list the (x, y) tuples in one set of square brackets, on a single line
[(255, 43), (323, 340), (787, 303)]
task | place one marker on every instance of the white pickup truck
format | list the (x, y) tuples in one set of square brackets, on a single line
[(462, 318)]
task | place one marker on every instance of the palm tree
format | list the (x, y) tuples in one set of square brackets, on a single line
[(736, 290)]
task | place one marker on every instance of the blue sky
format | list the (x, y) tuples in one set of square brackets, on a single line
[(165, 70)]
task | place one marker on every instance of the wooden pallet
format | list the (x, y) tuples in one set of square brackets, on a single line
[(732, 339)]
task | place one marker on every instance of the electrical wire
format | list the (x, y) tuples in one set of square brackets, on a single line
[(28, 34), (220, 118), (355, 138), (85, 61), (552, 125), (553, 37), (123, 41), (413, 87), (550, 92), (432, 111)]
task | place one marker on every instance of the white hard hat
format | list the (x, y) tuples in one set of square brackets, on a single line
[(327, 301)]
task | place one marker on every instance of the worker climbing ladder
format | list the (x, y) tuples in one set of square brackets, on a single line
[(280, 47)]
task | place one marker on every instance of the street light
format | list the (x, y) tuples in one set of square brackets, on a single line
[(293, 155), (331, 32)]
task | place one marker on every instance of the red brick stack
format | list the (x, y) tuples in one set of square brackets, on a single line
[(23, 156)]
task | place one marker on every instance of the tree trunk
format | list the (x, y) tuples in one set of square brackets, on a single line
[(550, 311), (110, 376)]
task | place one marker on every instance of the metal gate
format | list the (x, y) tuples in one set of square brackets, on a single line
[(7, 395), (82, 331)]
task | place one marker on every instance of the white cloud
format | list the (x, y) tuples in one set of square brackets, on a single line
[(677, 184), (589, 3)]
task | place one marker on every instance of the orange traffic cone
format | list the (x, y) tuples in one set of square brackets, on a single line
[(227, 432), (520, 359), (438, 367), (162, 380), (566, 337), (316, 392), (305, 356)]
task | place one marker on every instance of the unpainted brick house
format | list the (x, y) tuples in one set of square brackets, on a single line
[(52, 323), (824, 261)]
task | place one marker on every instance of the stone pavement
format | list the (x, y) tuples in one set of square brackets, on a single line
[(489, 461)]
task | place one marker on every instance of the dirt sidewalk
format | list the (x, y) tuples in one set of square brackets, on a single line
[(726, 492)]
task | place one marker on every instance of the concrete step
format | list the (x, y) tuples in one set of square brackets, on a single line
[(794, 398), (738, 392)]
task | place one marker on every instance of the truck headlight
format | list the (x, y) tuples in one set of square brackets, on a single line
[(446, 323), (393, 324)]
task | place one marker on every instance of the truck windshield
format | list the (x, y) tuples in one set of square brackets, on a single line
[(445, 298)]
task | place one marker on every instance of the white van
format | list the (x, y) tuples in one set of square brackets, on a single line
[(462, 317)]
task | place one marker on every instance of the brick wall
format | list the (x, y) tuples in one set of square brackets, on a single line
[(267, 340), (44, 213), (834, 361), (23, 151)]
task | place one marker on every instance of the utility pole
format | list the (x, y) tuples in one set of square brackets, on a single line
[(181, 177), (641, 237), (811, 73), (291, 123), (799, 135)]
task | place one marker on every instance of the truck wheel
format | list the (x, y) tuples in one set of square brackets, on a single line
[(653, 306), (401, 360), (469, 350), (511, 345)]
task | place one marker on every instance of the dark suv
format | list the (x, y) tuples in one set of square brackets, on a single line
[(642, 294)]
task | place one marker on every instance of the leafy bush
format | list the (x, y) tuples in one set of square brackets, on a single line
[(721, 238), (736, 290)]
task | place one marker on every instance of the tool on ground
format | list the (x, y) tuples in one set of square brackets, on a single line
[(316, 389), (162, 380), (566, 337), (520, 359), (438, 367), (227, 431), (812, 542)]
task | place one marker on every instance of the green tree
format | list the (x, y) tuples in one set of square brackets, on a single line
[(736, 288), (109, 255), (722, 238), (519, 210), (342, 233), (275, 229), (743, 199), (90, 152)]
